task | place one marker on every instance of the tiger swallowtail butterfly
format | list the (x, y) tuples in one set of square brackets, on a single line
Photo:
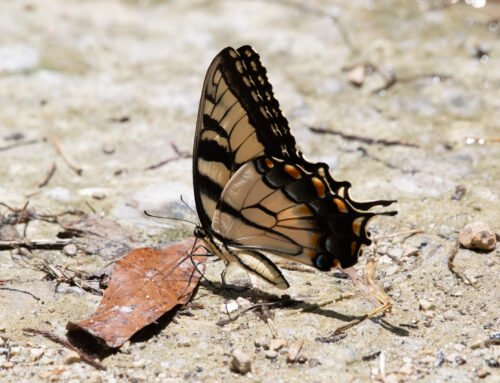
[(255, 193)]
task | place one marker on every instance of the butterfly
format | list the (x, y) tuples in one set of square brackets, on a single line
[(255, 193)]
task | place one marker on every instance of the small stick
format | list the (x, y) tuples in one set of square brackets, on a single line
[(224, 322), (70, 161), (407, 234), (363, 139), (63, 342), (180, 155), (17, 144), (456, 270), (35, 244), (49, 175), (20, 291), (267, 317), (393, 80), (315, 306)]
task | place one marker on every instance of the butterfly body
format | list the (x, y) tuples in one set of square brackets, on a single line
[(255, 193)]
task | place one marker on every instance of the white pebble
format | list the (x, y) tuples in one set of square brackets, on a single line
[(241, 363)]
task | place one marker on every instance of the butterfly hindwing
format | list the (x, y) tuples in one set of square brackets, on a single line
[(272, 206)]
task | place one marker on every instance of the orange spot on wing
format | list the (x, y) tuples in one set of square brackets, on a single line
[(269, 163), (304, 210), (340, 205), (336, 263), (356, 225), (354, 248), (319, 186), (292, 171), (310, 253)]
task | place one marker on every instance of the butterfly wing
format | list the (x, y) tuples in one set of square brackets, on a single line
[(238, 120), (273, 206), (254, 190)]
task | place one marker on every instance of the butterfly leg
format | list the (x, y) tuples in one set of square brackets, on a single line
[(369, 288)]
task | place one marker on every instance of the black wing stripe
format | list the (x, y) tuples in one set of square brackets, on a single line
[(236, 214), (210, 188)]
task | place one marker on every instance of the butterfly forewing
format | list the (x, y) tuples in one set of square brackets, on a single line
[(238, 120)]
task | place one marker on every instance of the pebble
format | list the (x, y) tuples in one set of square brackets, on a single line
[(261, 343), (356, 75), (98, 194), (313, 363), (183, 342), (71, 357), (293, 353), (36, 354), (6, 365), (382, 250), (277, 344), (477, 235), (240, 363), (271, 354), (392, 378), (70, 250), (482, 373), (396, 252), (242, 302), (450, 315), (459, 360), (426, 305), (229, 307), (108, 149), (95, 378), (492, 362), (406, 369), (139, 363)]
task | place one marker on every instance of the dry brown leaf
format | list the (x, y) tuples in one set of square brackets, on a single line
[(144, 285)]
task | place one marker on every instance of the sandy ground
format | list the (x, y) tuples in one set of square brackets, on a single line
[(118, 82)]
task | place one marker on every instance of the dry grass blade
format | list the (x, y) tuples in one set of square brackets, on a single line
[(370, 288), (456, 270)]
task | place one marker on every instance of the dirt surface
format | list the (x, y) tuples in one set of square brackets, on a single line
[(113, 84)]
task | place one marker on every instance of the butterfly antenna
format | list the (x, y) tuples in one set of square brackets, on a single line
[(171, 218), (189, 207)]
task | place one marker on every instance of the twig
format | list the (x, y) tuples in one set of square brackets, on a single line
[(363, 139), (63, 342), (180, 155), (334, 338), (315, 306), (62, 276), (22, 143), (20, 291), (35, 244), (49, 175), (456, 270), (31, 215), (393, 80), (224, 322), (407, 234), (70, 161), (266, 315)]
